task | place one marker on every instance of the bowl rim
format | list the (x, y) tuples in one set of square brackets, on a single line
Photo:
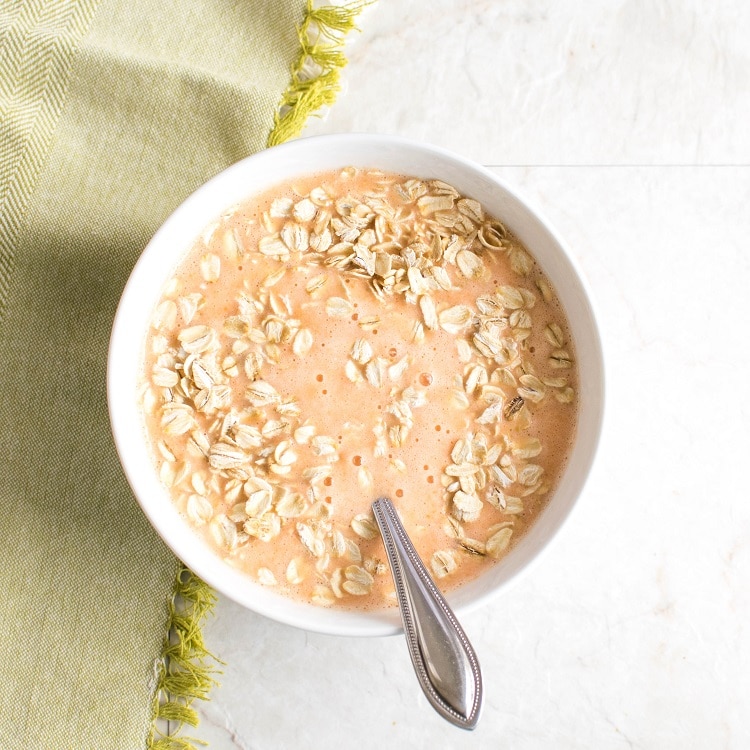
[(355, 623)]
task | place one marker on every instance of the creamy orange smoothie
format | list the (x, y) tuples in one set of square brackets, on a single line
[(347, 336)]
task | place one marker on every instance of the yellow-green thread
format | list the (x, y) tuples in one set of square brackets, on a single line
[(316, 72), (185, 669)]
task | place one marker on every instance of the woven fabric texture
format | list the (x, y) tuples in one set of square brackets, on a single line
[(123, 109)]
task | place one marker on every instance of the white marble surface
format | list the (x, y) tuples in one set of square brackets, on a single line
[(632, 632)]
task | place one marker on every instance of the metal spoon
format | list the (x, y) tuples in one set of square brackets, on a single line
[(444, 660)]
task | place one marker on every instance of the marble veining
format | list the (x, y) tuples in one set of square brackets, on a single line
[(518, 82)]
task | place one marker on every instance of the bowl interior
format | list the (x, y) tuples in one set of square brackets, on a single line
[(253, 175)]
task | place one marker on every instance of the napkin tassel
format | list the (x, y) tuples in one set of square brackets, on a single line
[(316, 72), (185, 669)]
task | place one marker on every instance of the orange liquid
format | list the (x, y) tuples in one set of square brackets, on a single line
[(352, 413)]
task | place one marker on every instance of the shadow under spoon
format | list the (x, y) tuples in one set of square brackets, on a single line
[(446, 665)]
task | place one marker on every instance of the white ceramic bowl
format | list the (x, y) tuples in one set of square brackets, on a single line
[(251, 176)]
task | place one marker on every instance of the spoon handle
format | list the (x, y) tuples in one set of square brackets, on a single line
[(444, 660)]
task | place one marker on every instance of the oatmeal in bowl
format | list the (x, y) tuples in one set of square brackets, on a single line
[(338, 319)]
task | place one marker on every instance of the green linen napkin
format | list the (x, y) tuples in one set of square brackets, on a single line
[(111, 113)]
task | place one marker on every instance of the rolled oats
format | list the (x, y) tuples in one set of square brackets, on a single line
[(398, 304)]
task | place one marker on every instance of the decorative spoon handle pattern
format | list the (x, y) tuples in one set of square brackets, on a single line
[(446, 665)]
